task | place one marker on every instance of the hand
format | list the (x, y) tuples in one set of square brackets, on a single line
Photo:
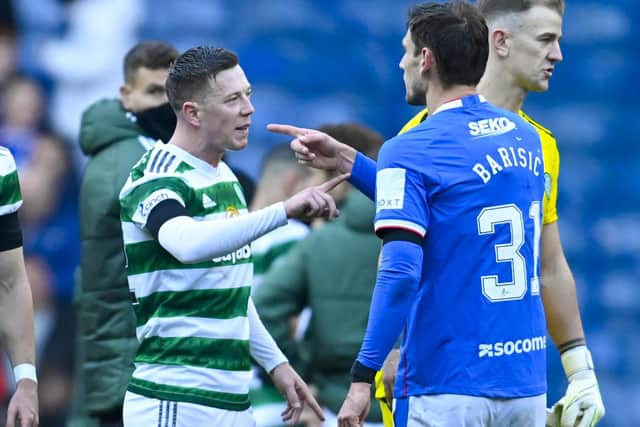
[(389, 371), (317, 149), (24, 405), (356, 406), (314, 201), (294, 389), (581, 405)]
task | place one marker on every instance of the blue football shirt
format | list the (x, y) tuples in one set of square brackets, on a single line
[(469, 180)]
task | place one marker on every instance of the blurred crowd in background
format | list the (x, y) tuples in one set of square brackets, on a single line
[(313, 62)]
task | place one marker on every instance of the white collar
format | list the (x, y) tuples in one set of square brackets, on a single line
[(456, 103)]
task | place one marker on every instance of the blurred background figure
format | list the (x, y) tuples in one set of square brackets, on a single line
[(313, 62), (84, 62), (332, 271), (49, 221), (281, 177), (114, 134)]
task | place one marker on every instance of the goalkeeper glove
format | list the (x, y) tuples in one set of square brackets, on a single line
[(581, 405)]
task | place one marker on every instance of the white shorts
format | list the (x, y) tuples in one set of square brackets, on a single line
[(456, 410), (141, 411)]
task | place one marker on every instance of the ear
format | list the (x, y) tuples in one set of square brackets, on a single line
[(190, 112), (500, 42), (427, 60), (125, 91)]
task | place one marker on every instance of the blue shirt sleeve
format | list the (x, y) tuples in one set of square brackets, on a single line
[(401, 203), (401, 192), (363, 175), (396, 286)]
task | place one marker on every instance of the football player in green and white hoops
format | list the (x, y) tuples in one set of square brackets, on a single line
[(187, 236)]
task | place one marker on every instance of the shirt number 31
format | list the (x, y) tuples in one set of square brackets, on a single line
[(492, 288)]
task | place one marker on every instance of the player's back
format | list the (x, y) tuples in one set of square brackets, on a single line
[(477, 327)]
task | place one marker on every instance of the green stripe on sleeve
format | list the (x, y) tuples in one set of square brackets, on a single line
[(10, 189)]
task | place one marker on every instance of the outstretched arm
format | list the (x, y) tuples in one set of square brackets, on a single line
[(319, 150), (191, 241)]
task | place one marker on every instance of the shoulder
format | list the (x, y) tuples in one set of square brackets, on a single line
[(537, 126), (7, 162), (157, 168), (415, 121), (548, 140)]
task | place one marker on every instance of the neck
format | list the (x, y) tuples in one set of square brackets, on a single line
[(436, 95), (500, 88), (192, 142)]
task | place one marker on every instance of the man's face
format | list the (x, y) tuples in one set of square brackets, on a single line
[(535, 47), (225, 113), (146, 90), (413, 82)]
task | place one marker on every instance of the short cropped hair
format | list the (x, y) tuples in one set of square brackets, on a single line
[(457, 35), (151, 54), (192, 71), (357, 136), (492, 8)]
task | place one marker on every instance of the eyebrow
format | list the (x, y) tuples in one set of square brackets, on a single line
[(247, 89), (550, 34), (153, 86)]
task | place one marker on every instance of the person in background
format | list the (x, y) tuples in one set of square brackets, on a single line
[(301, 279), (114, 134), (49, 227), (281, 177), (17, 334)]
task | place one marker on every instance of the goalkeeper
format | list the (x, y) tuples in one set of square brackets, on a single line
[(524, 48)]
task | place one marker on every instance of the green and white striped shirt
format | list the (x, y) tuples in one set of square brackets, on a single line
[(10, 196), (192, 319)]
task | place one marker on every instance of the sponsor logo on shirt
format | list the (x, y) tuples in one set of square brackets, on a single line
[(508, 348), (232, 211), (390, 185), (235, 256), (491, 127), (152, 202)]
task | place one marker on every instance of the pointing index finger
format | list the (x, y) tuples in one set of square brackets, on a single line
[(293, 131), (334, 182)]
